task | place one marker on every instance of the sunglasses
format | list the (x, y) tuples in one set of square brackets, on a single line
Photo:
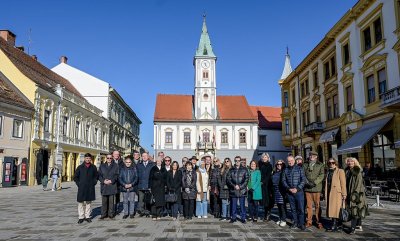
[(128, 162), (109, 158), (167, 160), (279, 164), (331, 163)]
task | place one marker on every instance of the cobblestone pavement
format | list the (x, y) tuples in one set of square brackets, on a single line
[(29, 213)]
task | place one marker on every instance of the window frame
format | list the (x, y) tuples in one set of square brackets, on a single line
[(369, 22), (287, 127), (242, 137), (315, 79), (317, 112), (186, 137), (264, 142), (168, 137), (224, 134), (285, 99), (349, 89), (22, 129), (1, 125), (46, 121)]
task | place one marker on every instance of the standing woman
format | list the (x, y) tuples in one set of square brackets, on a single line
[(266, 180), (189, 190), (356, 201), (224, 189), (335, 192), (202, 191), (157, 183), (279, 192), (254, 194), (174, 185)]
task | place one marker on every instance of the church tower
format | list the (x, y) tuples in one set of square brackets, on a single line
[(205, 87)]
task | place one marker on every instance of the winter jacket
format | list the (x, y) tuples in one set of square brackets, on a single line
[(315, 175), (157, 184), (192, 186), (266, 180), (223, 186), (215, 173), (237, 176), (255, 184), (293, 177), (356, 200), (110, 172), (143, 174), (86, 178), (128, 175), (174, 184), (279, 190)]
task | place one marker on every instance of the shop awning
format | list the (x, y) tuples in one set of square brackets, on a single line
[(362, 136), (328, 136)]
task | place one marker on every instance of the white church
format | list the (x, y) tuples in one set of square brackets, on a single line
[(207, 123)]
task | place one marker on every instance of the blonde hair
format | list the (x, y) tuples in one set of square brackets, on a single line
[(265, 154), (356, 162)]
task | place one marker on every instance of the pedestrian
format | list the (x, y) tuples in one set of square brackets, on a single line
[(128, 179), (214, 190), (299, 160), (202, 186), (45, 181), (224, 189), (189, 193), (136, 158), (174, 186), (194, 160), (55, 174), (237, 180), (143, 170), (157, 184), (294, 181), (182, 170), (254, 195), (356, 200), (280, 192), (86, 177), (314, 172), (167, 210), (335, 192), (267, 189), (108, 177), (118, 160)]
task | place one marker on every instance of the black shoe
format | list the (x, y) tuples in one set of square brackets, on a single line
[(89, 220), (142, 214), (232, 221), (125, 216), (243, 221), (352, 231), (112, 217), (254, 220), (294, 225), (302, 227), (132, 216), (103, 217), (81, 221)]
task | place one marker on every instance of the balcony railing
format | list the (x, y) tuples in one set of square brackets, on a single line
[(205, 145), (390, 97), (314, 127)]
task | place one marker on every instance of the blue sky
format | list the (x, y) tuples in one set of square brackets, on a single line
[(146, 47)]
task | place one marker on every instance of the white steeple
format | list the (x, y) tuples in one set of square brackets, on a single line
[(288, 68)]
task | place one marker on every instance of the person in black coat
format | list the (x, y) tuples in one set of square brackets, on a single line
[(237, 179), (266, 185), (174, 185), (189, 191), (108, 177), (143, 170), (157, 183), (118, 160), (86, 178)]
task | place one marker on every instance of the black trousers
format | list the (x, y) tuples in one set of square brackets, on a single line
[(156, 211), (355, 222), (107, 206), (214, 205), (188, 208)]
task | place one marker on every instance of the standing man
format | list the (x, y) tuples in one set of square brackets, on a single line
[(161, 155), (136, 158), (55, 174), (293, 181), (128, 179), (108, 177), (143, 170), (237, 180), (182, 168), (194, 160), (117, 159), (266, 185), (86, 178), (314, 172)]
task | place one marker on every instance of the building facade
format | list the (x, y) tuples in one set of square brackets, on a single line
[(204, 123), (343, 98), (124, 130), (64, 125)]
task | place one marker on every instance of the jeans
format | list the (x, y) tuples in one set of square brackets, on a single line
[(242, 207), (253, 208), (188, 207), (107, 206), (54, 184), (225, 208), (282, 211), (174, 208), (355, 222), (296, 202), (129, 202), (201, 206)]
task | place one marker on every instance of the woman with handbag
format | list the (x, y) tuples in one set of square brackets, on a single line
[(157, 183), (174, 187), (224, 190), (254, 195), (356, 200), (335, 193), (189, 190), (280, 192)]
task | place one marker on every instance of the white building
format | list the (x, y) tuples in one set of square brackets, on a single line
[(125, 125)]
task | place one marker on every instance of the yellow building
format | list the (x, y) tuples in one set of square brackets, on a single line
[(343, 98), (64, 125)]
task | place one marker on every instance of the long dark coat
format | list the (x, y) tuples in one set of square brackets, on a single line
[(266, 184), (192, 186), (157, 183), (174, 184), (223, 186), (86, 179), (110, 172), (237, 176)]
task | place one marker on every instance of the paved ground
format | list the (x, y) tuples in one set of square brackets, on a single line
[(29, 213)]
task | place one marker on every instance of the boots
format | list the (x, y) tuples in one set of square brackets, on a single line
[(334, 227), (266, 216)]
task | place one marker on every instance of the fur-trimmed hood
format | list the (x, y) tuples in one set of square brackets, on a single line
[(355, 171)]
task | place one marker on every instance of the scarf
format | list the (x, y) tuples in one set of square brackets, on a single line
[(188, 178), (202, 170)]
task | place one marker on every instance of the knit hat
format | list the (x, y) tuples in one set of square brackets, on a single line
[(298, 157)]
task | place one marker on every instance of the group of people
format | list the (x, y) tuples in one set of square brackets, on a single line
[(221, 188)]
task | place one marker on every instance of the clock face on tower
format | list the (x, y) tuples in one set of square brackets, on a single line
[(205, 64)]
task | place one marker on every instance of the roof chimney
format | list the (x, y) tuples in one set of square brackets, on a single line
[(8, 36), (64, 59), (34, 57)]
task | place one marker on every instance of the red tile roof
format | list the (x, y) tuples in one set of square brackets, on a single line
[(9, 94), (268, 117), (34, 70), (180, 108)]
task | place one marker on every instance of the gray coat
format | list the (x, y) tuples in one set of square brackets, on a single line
[(110, 172)]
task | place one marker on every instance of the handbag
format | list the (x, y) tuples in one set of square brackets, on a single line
[(149, 198), (344, 215), (171, 197)]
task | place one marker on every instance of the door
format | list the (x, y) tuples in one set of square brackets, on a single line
[(9, 172), (42, 165)]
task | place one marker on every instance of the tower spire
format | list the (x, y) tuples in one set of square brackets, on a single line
[(287, 69), (204, 49)]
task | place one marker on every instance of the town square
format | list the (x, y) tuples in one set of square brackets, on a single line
[(200, 120)]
